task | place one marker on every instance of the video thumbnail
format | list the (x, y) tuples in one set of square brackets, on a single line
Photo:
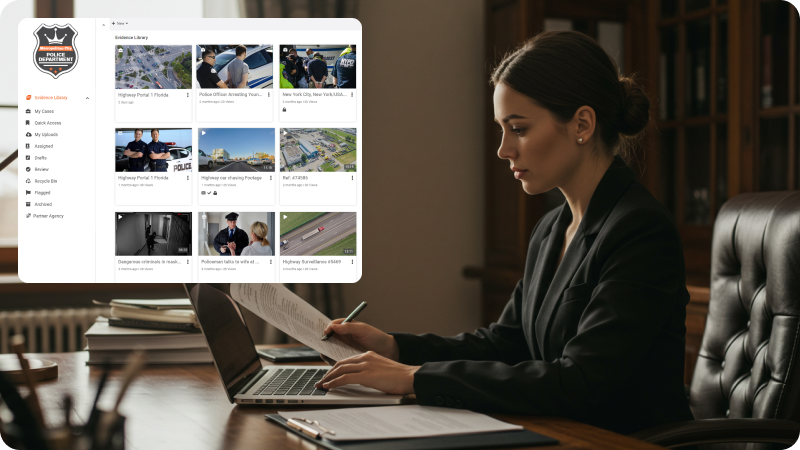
[(153, 66), (318, 149), (318, 66), (153, 150), (236, 149), (318, 233), (237, 234), (153, 234), (234, 66)]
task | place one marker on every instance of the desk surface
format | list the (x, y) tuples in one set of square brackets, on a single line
[(184, 406)]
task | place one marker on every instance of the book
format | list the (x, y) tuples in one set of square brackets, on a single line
[(168, 303), (153, 325), (160, 315), (101, 336), (290, 354), (167, 356)]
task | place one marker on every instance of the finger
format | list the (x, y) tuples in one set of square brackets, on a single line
[(328, 328), (349, 328), (341, 370), (349, 378)]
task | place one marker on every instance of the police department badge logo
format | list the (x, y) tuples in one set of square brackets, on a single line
[(55, 52)]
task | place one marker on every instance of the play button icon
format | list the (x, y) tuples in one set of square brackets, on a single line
[(284, 216), (203, 133)]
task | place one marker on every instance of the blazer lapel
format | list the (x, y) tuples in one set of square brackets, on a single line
[(573, 257), (613, 184), (549, 250)]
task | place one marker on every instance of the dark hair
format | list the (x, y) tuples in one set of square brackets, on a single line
[(138, 129), (564, 70), (156, 130), (207, 52), (240, 49)]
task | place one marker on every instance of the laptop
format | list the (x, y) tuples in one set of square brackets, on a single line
[(245, 380)]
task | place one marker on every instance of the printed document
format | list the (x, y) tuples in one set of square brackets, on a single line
[(402, 421), (291, 314)]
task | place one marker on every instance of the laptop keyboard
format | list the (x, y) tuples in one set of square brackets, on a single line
[(293, 382)]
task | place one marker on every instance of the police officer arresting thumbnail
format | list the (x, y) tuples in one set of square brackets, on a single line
[(153, 150), (228, 234), (234, 66), (153, 234), (153, 66), (318, 66)]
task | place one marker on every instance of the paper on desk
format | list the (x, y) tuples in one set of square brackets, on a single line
[(403, 421), (291, 314)]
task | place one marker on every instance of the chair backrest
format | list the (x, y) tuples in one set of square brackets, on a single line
[(749, 362)]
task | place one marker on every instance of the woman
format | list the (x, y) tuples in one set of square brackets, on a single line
[(259, 244), (595, 329)]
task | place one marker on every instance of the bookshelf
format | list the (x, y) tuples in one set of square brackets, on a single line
[(728, 102)]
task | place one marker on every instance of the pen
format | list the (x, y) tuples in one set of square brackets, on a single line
[(352, 316)]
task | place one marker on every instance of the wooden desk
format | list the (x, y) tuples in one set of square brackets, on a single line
[(185, 406)]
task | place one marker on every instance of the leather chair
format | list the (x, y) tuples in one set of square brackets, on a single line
[(746, 383)]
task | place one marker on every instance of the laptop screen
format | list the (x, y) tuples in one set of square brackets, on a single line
[(226, 333)]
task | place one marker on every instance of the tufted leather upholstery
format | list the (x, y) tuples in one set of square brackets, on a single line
[(749, 362)]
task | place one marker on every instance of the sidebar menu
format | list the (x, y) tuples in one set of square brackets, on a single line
[(56, 129)]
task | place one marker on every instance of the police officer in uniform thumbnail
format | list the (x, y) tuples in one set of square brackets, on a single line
[(206, 75), (158, 153), (232, 240), (136, 151)]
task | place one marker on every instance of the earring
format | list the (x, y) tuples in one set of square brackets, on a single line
[(580, 139)]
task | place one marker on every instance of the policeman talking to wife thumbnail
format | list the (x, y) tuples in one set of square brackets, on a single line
[(232, 240)]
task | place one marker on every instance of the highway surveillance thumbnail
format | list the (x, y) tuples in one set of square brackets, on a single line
[(153, 66), (318, 233)]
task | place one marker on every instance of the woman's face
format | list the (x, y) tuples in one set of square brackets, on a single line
[(543, 153)]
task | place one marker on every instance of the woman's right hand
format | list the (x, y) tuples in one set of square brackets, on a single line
[(363, 337)]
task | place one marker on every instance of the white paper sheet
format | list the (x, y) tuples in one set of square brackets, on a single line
[(403, 421), (291, 314)]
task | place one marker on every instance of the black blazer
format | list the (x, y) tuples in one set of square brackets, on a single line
[(600, 340)]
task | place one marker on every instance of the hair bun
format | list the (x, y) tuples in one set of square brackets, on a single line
[(635, 112)]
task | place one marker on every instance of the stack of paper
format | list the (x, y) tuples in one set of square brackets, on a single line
[(110, 344)]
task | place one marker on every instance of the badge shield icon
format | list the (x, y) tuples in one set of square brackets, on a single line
[(55, 51)]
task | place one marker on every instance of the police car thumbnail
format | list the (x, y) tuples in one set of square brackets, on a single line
[(234, 66), (153, 234), (236, 149), (318, 150), (318, 66), (153, 150), (231, 234), (153, 66)]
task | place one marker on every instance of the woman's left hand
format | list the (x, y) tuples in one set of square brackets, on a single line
[(371, 370)]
